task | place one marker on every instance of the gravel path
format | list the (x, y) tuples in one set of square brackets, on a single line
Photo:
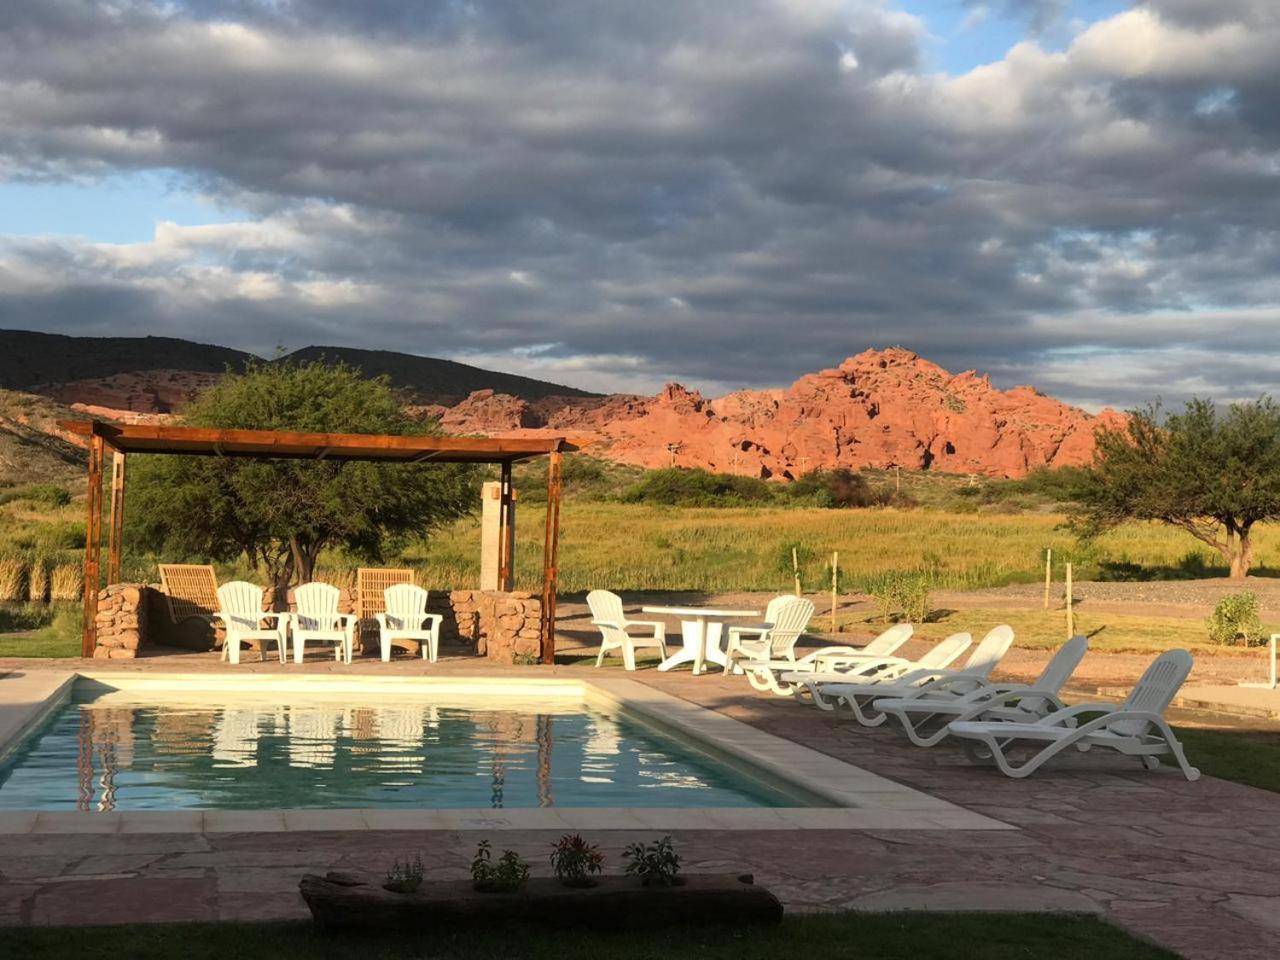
[(1156, 597)]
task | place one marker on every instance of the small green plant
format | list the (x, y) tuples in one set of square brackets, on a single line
[(1235, 619), (655, 864), (900, 591), (508, 873), (574, 860), (405, 877)]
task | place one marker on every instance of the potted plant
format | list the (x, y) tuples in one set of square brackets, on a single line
[(574, 860), (508, 873), (405, 877), (655, 864)]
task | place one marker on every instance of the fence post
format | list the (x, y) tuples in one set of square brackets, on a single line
[(1071, 622), (835, 579), (1048, 575), (795, 570)]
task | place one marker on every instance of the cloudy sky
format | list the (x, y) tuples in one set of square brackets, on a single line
[(1080, 194)]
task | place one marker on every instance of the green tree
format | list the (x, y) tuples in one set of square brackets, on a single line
[(1213, 475), (281, 514)]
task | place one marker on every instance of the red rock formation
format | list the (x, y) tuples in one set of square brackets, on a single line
[(882, 408), (879, 409)]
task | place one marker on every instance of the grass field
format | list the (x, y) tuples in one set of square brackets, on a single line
[(645, 547), (832, 936)]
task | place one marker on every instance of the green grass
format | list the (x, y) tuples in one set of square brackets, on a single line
[(644, 547), (40, 630), (909, 936), (1251, 757)]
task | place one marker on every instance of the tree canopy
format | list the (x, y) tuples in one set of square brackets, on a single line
[(281, 514), (1214, 475)]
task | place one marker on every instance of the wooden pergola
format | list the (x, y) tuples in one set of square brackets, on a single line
[(124, 439)]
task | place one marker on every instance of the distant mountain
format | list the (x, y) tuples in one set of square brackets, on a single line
[(29, 359), (158, 374), (437, 381)]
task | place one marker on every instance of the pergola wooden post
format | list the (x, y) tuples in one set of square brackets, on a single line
[(93, 542), (505, 499), (550, 550), (124, 439)]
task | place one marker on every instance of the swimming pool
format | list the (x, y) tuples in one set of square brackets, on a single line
[(104, 750)]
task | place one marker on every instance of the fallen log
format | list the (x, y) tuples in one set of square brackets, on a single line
[(342, 901)]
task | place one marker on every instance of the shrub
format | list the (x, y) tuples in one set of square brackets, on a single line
[(573, 860), (44, 494), (13, 574), (38, 581), (655, 864), (900, 591), (67, 581), (1235, 618), (508, 873), (677, 486), (405, 877), (840, 487)]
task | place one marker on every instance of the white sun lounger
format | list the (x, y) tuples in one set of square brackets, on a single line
[(939, 657), (925, 714), (936, 682), (1135, 728), (765, 675)]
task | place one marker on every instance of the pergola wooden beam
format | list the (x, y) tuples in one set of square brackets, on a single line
[(123, 439)]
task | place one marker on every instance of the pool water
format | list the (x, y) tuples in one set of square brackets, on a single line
[(112, 752)]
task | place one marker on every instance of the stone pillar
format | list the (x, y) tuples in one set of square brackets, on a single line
[(121, 621), (491, 538)]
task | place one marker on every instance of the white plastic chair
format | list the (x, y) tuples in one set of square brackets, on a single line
[(242, 616), (785, 620), (928, 681), (616, 631), (1018, 702), (1135, 728), (765, 674), (402, 623), (317, 619), (937, 658)]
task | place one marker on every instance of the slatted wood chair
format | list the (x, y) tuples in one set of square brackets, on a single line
[(190, 590), (371, 589)]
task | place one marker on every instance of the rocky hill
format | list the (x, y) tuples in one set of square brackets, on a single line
[(881, 408), (157, 375)]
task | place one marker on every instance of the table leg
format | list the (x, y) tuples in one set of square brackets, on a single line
[(687, 651), (700, 650)]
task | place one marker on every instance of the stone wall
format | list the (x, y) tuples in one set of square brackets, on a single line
[(500, 626), (122, 621)]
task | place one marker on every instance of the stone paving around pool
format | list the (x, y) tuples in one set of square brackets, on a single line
[(1193, 866)]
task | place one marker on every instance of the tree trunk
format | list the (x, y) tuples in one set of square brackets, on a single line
[(1237, 550), (1242, 557)]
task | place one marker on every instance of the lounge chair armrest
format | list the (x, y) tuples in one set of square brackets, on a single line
[(435, 618), (751, 628), (1070, 713), (382, 620), (607, 623), (651, 624), (941, 682), (828, 652)]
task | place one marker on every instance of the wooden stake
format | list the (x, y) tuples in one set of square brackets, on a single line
[(795, 570), (897, 479), (1048, 575), (92, 545), (835, 580), (115, 530), (1071, 623)]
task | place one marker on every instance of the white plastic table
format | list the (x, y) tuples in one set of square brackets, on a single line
[(700, 628)]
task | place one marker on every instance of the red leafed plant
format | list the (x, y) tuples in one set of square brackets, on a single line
[(574, 860)]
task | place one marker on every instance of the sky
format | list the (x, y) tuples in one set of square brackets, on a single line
[(1079, 194)]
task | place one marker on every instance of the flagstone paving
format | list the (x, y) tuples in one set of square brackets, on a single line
[(1193, 866)]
